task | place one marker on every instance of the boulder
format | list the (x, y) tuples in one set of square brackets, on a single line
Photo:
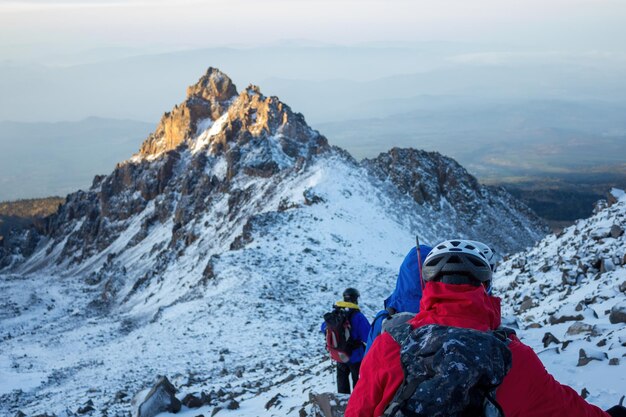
[(526, 304), (548, 339), (160, 398), (328, 404), (274, 401), (585, 357), (600, 233), (191, 401), (618, 313), (607, 265), (86, 408), (558, 318), (616, 231), (582, 328)]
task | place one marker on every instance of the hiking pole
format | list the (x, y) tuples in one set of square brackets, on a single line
[(419, 260)]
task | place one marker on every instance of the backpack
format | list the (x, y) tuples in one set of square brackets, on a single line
[(338, 341), (449, 371)]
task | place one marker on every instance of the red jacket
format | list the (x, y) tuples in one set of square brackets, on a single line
[(528, 390)]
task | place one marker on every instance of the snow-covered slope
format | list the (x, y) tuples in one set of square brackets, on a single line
[(568, 297), (211, 255)]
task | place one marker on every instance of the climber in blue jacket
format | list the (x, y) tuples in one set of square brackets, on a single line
[(407, 294)]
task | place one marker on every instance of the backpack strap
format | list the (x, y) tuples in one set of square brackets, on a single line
[(491, 407), (503, 334), (401, 333), (352, 343)]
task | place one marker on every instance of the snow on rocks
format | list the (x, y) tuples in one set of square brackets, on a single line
[(212, 255), (567, 296), (618, 313), (160, 398)]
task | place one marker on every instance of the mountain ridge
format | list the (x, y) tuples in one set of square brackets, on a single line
[(253, 219)]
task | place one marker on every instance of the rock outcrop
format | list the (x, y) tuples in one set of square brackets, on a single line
[(206, 100), (440, 183), (575, 278), (160, 398)]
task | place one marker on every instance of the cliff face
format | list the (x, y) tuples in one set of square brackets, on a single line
[(208, 99), (440, 183)]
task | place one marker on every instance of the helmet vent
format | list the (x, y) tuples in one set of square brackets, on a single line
[(434, 261), (455, 243), (454, 260), (470, 247), (475, 261)]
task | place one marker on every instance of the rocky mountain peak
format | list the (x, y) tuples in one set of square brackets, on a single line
[(214, 86), (207, 99), (214, 116)]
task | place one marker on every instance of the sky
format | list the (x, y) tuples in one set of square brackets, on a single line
[(352, 67), (34, 25)]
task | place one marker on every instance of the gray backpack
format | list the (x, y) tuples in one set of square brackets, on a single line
[(449, 371)]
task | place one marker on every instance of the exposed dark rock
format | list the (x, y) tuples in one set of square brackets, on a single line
[(606, 266), (618, 313), (233, 405), (584, 358), (580, 328), (616, 231), (191, 401), (275, 400), (548, 339), (328, 404), (86, 408), (209, 271), (311, 198), (160, 398), (121, 395), (557, 319), (244, 238), (614, 361), (584, 393), (526, 304)]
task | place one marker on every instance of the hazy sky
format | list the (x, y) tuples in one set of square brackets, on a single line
[(76, 24)]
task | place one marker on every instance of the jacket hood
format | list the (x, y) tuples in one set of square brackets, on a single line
[(408, 292), (459, 306)]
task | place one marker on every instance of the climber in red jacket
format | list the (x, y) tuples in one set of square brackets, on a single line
[(456, 293)]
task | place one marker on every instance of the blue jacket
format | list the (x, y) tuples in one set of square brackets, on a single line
[(406, 296), (359, 330)]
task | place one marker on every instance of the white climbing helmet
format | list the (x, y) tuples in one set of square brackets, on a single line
[(489, 253), (459, 261)]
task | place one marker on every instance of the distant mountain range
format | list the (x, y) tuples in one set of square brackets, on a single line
[(44, 159), (558, 156)]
